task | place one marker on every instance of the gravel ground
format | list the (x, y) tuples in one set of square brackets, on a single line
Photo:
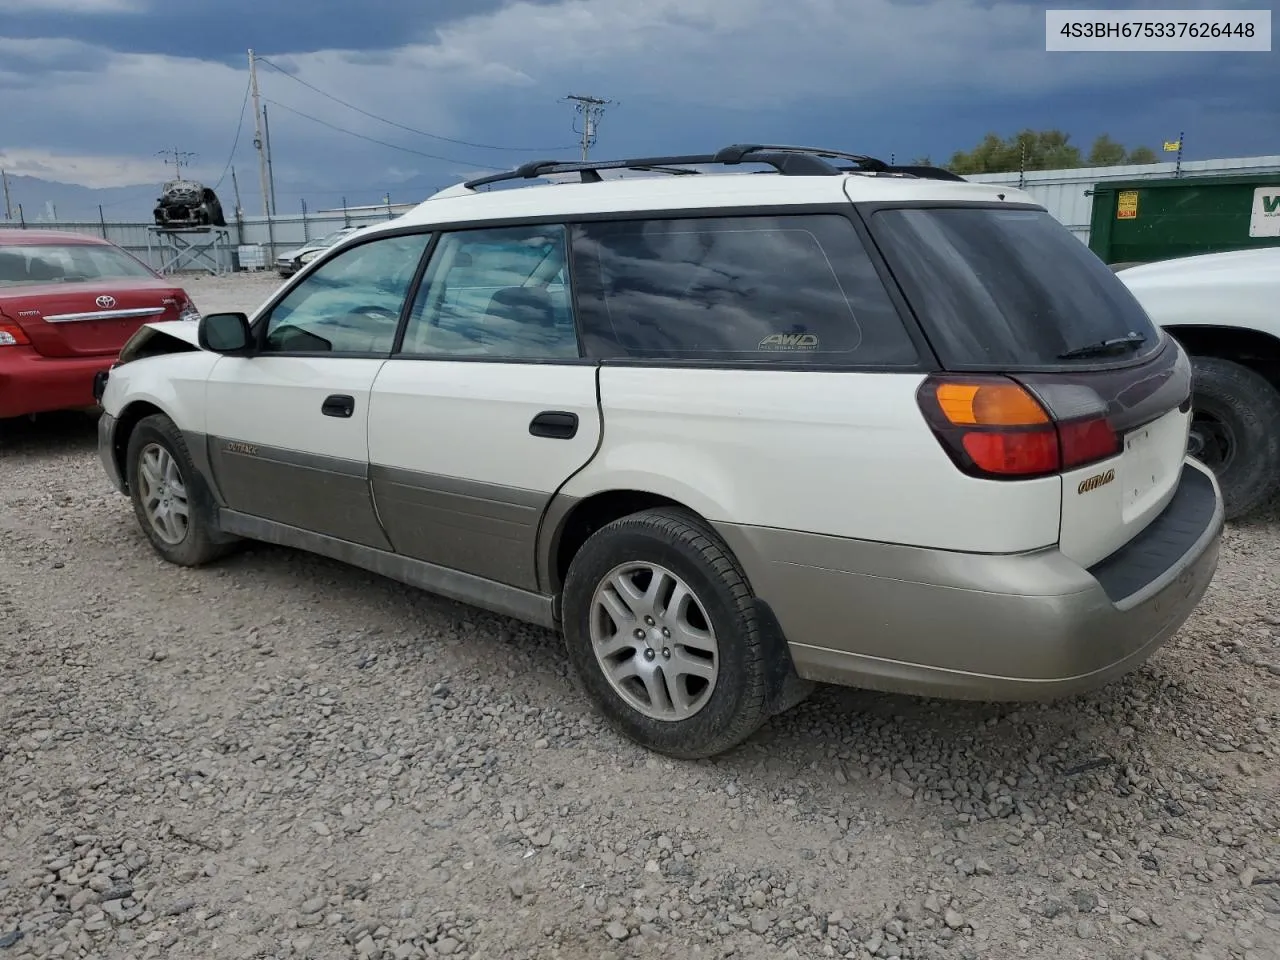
[(244, 291), (278, 756)]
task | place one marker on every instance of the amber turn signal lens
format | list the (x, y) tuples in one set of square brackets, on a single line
[(989, 405)]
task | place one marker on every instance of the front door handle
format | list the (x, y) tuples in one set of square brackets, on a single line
[(338, 405), (555, 425)]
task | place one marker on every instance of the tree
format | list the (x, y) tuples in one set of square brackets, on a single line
[(1041, 150), (1029, 150), (1106, 153)]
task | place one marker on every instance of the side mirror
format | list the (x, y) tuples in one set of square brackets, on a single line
[(225, 333)]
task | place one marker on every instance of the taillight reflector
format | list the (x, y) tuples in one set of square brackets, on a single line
[(995, 427), (12, 335)]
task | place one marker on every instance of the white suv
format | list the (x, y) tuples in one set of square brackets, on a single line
[(732, 434)]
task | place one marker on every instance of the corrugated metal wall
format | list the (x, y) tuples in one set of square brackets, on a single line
[(1064, 193)]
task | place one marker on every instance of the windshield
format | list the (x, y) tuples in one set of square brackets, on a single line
[(330, 239), (1010, 287), (66, 263)]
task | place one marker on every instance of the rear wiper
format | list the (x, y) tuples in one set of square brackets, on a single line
[(1103, 347)]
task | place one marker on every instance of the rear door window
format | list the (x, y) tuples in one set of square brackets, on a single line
[(755, 289), (497, 293), (1008, 287)]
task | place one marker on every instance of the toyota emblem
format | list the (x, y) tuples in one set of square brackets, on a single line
[(105, 301)]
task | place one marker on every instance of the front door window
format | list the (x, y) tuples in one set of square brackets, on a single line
[(350, 304)]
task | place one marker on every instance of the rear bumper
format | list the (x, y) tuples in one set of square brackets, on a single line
[(32, 383), (984, 627)]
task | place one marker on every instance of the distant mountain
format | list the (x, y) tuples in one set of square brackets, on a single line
[(43, 201)]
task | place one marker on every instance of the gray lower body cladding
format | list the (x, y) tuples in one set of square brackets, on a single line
[(487, 530), (327, 495), (973, 626), (874, 615), (107, 451)]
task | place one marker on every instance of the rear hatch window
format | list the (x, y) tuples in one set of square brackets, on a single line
[(1011, 289)]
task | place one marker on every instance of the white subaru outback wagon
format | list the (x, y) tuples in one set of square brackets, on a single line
[(731, 434)]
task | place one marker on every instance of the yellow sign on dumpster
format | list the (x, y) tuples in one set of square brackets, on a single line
[(1127, 206)]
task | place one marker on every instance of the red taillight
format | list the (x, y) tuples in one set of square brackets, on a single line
[(1084, 441), (995, 427), (12, 335), (1031, 452)]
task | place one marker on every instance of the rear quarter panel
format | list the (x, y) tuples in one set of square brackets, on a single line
[(843, 454)]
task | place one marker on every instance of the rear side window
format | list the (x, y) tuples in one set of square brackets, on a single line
[(755, 289), (1007, 287)]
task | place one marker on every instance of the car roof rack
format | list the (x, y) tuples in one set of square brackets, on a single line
[(786, 160)]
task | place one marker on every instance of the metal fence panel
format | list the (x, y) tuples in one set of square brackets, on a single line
[(276, 235), (1064, 193)]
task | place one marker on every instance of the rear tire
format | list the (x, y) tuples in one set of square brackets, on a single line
[(170, 499), (686, 700), (1235, 432)]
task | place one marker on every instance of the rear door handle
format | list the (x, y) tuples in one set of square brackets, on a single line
[(555, 425), (338, 405)]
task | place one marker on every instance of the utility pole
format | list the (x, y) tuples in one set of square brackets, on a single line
[(271, 170), (180, 158), (591, 109), (8, 209), (235, 187), (257, 136)]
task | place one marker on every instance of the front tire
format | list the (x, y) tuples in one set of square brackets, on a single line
[(663, 634), (170, 499), (1235, 432)]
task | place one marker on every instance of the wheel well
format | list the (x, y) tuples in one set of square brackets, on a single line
[(1254, 349), (590, 515), (129, 418)]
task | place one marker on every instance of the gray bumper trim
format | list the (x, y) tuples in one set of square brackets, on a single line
[(994, 627), (107, 451)]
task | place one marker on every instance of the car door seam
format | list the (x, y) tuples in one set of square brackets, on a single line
[(546, 507), (368, 457)]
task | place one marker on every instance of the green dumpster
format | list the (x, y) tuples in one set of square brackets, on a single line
[(1140, 221)]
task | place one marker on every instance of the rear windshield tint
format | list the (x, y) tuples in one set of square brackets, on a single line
[(1007, 287)]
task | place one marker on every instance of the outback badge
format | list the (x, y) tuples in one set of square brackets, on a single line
[(1096, 481)]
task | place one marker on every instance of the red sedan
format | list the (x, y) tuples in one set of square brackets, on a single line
[(68, 303)]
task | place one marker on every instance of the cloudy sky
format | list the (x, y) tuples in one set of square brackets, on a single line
[(92, 89)]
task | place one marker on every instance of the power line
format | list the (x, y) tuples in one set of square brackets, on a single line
[(414, 130), (384, 143), (236, 142), (591, 109), (180, 158)]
